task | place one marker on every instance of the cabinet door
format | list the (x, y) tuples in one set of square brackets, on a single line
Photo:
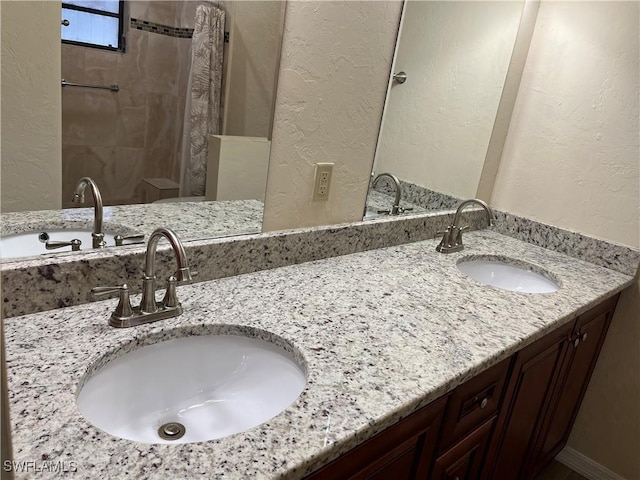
[(588, 337), (529, 392), (464, 460), (397, 452)]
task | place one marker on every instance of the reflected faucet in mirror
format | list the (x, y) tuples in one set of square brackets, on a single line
[(452, 236), (78, 197), (396, 202), (396, 208)]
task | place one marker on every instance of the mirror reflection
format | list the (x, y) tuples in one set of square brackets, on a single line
[(174, 106), (451, 62)]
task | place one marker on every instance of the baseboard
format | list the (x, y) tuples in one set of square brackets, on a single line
[(585, 466)]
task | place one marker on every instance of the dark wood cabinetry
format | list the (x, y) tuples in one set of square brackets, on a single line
[(582, 355), (534, 374), (464, 460), (506, 423), (399, 452), (546, 387)]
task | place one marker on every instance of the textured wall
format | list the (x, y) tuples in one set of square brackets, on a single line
[(254, 50), (334, 68), (571, 159), (31, 173), (438, 124)]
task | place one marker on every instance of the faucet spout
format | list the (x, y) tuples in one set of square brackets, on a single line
[(466, 203), (396, 202), (183, 273), (78, 197), (452, 236)]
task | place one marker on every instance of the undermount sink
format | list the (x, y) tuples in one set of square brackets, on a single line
[(191, 389), (508, 274), (31, 243)]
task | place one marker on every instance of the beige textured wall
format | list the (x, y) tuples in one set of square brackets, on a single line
[(334, 69), (30, 169), (438, 124), (571, 159), (254, 49)]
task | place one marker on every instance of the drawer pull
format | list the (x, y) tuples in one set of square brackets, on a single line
[(483, 402), (584, 337)]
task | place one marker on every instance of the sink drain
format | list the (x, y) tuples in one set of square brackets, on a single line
[(171, 431)]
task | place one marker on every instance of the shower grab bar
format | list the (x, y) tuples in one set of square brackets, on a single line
[(114, 87)]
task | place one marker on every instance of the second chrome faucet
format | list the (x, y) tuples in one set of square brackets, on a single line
[(150, 310)]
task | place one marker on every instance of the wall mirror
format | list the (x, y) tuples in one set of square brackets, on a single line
[(130, 124), (449, 72)]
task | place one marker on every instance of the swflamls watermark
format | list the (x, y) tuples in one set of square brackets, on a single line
[(33, 466)]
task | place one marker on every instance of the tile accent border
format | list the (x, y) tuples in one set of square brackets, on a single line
[(161, 29)]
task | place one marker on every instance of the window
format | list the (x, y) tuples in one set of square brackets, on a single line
[(94, 23)]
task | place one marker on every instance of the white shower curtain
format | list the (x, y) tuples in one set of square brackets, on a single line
[(202, 108)]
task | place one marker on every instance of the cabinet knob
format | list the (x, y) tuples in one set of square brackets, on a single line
[(576, 342), (584, 337), (483, 402)]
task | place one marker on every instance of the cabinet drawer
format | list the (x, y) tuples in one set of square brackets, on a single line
[(464, 460), (474, 402)]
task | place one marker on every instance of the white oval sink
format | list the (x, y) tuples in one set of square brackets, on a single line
[(27, 244), (212, 385), (515, 276)]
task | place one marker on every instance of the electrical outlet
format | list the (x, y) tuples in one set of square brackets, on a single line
[(322, 181)]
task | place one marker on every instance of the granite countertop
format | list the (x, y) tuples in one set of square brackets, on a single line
[(190, 220), (382, 333), (377, 201)]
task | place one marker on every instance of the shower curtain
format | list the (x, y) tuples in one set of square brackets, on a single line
[(202, 108)]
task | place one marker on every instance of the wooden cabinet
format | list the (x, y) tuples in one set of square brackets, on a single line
[(465, 459), (545, 390), (532, 380), (506, 423), (398, 452), (582, 355)]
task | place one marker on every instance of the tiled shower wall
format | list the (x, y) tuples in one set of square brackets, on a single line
[(120, 138)]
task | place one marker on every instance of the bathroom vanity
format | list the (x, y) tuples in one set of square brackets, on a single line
[(507, 422), (413, 368)]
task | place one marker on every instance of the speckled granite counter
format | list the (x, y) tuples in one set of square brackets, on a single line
[(379, 201), (190, 220), (383, 333)]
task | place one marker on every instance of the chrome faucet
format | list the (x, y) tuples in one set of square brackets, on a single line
[(183, 274), (78, 197), (452, 236), (395, 209), (149, 309)]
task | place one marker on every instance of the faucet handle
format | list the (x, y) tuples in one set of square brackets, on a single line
[(171, 297), (123, 310), (74, 244), (137, 238)]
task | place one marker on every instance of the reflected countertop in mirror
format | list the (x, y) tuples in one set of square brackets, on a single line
[(190, 220)]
